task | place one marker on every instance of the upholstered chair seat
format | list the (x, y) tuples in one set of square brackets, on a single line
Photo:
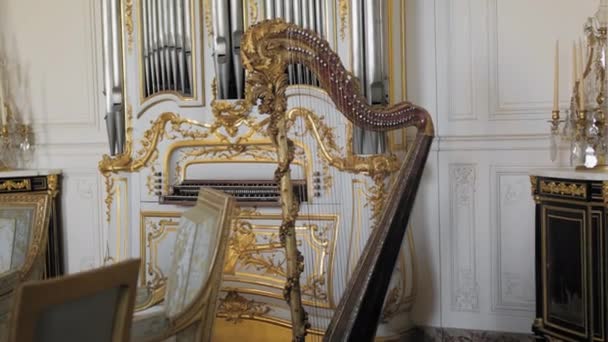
[(188, 309)]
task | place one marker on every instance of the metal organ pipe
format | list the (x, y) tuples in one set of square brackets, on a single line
[(107, 74), (268, 9), (146, 49), (236, 19), (221, 48), (117, 95), (154, 44), (179, 45), (188, 46), (288, 15), (112, 69), (279, 10), (297, 19), (172, 48), (369, 66), (166, 47), (228, 23)]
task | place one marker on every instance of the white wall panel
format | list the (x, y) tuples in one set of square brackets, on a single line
[(512, 239), (53, 58), (495, 62)]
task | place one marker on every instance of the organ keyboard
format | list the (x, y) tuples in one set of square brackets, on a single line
[(246, 192)]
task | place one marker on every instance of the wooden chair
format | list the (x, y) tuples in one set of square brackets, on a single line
[(191, 295), (24, 220), (90, 306)]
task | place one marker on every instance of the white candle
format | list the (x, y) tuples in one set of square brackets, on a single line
[(556, 79), (574, 64), (581, 86), (2, 111)]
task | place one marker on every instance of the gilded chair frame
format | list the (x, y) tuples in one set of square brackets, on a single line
[(41, 202), (32, 298), (202, 309)]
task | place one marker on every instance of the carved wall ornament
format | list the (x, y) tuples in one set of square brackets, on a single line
[(235, 307), (464, 181), (244, 249)]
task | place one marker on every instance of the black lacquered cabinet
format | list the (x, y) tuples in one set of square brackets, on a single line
[(570, 256)]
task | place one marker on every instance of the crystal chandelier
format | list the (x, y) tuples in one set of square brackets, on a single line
[(583, 125), (16, 148)]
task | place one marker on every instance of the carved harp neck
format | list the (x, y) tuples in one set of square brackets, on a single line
[(271, 45), (267, 49)]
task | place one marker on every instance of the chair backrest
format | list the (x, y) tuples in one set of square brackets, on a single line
[(23, 231), (90, 306), (198, 259)]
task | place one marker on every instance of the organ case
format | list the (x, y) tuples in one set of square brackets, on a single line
[(192, 128)]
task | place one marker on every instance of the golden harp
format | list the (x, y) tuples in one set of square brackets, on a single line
[(267, 50)]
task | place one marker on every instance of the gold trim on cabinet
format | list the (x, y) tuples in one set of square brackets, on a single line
[(600, 216), (533, 184), (52, 183), (11, 185), (563, 188)]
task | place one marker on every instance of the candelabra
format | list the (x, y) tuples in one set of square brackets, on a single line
[(584, 124), (15, 142)]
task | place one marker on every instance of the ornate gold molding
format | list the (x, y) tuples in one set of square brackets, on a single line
[(343, 10), (329, 149), (52, 182), (534, 184), (235, 307), (10, 185), (209, 20), (129, 23), (109, 182), (561, 188), (230, 117), (253, 12)]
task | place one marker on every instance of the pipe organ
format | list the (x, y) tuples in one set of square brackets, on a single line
[(166, 47), (178, 119)]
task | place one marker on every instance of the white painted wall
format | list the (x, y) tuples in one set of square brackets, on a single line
[(482, 67), (485, 69), (54, 57)]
